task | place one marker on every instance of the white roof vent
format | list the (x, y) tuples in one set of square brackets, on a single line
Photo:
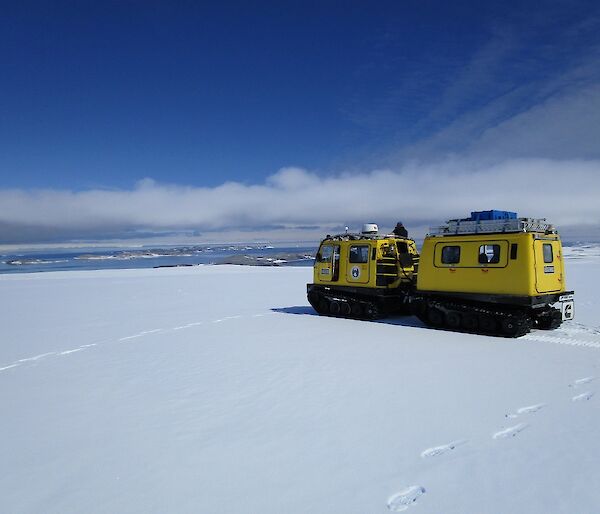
[(370, 228)]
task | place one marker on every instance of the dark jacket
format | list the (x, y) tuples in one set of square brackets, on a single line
[(400, 231)]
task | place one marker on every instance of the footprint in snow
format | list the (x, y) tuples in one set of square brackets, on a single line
[(399, 502), (581, 381), (582, 396), (510, 431), (439, 450), (530, 409)]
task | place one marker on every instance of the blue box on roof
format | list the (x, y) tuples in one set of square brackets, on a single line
[(493, 215)]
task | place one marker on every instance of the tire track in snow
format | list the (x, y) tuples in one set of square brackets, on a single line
[(43, 356), (570, 334), (10, 366), (578, 328), (142, 334), (67, 352), (569, 341), (37, 357)]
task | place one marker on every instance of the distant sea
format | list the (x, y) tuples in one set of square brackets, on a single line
[(151, 257)]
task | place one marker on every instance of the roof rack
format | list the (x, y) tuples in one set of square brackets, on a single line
[(354, 237), (468, 226)]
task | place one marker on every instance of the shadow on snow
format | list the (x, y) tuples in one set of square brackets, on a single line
[(307, 310)]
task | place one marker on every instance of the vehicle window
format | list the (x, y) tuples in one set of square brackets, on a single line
[(450, 254), (489, 254), (548, 257), (325, 253), (513, 251), (359, 254)]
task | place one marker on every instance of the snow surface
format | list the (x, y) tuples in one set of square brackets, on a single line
[(218, 390)]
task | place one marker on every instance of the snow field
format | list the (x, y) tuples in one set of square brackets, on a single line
[(217, 389)]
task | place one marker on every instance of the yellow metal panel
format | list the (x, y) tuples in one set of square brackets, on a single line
[(469, 253), (469, 275), (364, 274), (357, 272), (327, 264), (548, 266)]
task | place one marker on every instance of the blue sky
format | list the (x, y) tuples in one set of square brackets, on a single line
[(177, 97)]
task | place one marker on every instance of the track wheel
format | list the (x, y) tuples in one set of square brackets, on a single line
[(419, 309), (313, 299), (334, 308), (323, 306), (435, 317), (453, 319), (356, 310), (372, 311), (550, 320), (514, 326), (487, 323), (345, 309), (470, 322)]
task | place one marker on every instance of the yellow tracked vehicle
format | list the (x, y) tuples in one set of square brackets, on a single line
[(492, 273), (363, 275)]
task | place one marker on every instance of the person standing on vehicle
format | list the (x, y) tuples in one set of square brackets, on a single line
[(400, 230)]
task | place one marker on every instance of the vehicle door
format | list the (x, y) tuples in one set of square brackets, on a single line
[(328, 263), (358, 264), (548, 266)]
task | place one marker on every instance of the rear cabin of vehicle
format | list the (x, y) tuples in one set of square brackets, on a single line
[(498, 275), (523, 265)]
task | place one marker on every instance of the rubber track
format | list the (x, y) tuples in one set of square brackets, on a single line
[(368, 309), (371, 310), (498, 314)]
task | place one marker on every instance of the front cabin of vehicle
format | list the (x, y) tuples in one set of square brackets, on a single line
[(368, 263), (363, 275)]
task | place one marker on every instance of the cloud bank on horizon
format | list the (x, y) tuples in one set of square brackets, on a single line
[(295, 203)]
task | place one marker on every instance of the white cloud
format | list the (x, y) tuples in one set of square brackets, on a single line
[(566, 192), (561, 127)]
